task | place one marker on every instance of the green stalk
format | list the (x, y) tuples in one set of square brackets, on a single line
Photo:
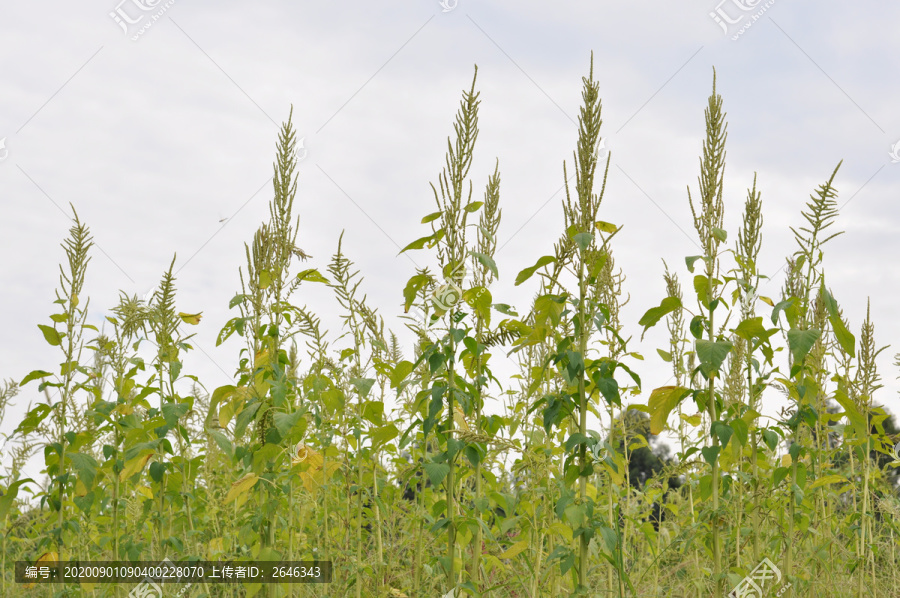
[(708, 224), (583, 544), (451, 506)]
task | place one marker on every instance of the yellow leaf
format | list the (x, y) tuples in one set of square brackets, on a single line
[(785, 460), (80, 488), (193, 319), (304, 454), (562, 529), (463, 538), (313, 476), (826, 480), (226, 412), (144, 491), (460, 418), (767, 300), (124, 409), (135, 465), (694, 420), (261, 358), (241, 486), (491, 562), (47, 558), (662, 401), (515, 549), (216, 546)]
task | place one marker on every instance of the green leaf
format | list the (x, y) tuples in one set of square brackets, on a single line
[(654, 314), (480, 299), (244, 418), (720, 234), (431, 217), (9, 496), (548, 307), (413, 286), (575, 365), (852, 411), (473, 207), (662, 401), (237, 300), (741, 430), (696, 327), (779, 307), (383, 434), (801, 342), (373, 411), (265, 279), (666, 356), (50, 335), (85, 502), (583, 240), (723, 431), (690, 262), (770, 438), (172, 412), (486, 261), (85, 465), (33, 419), (436, 472), (223, 442), (844, 336), (312, 275), (710, 453), (779, 475), (751, 328), (574, 440), (399, 373), (503, 308), (419, 243), (475, 454), (713, 353), (529, 272), (333, 398), (705, 487), (285, 422), (701, 287), (33, 376), (609, 388), (363, 385)]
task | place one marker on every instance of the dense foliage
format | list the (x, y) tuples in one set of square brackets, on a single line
[(302, 457)]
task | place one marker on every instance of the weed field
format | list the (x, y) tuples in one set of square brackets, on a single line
[(415, 471)]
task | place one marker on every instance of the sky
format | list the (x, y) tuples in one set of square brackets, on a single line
[(157, 120)]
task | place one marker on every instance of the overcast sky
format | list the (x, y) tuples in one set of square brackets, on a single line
[(158, 122)]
